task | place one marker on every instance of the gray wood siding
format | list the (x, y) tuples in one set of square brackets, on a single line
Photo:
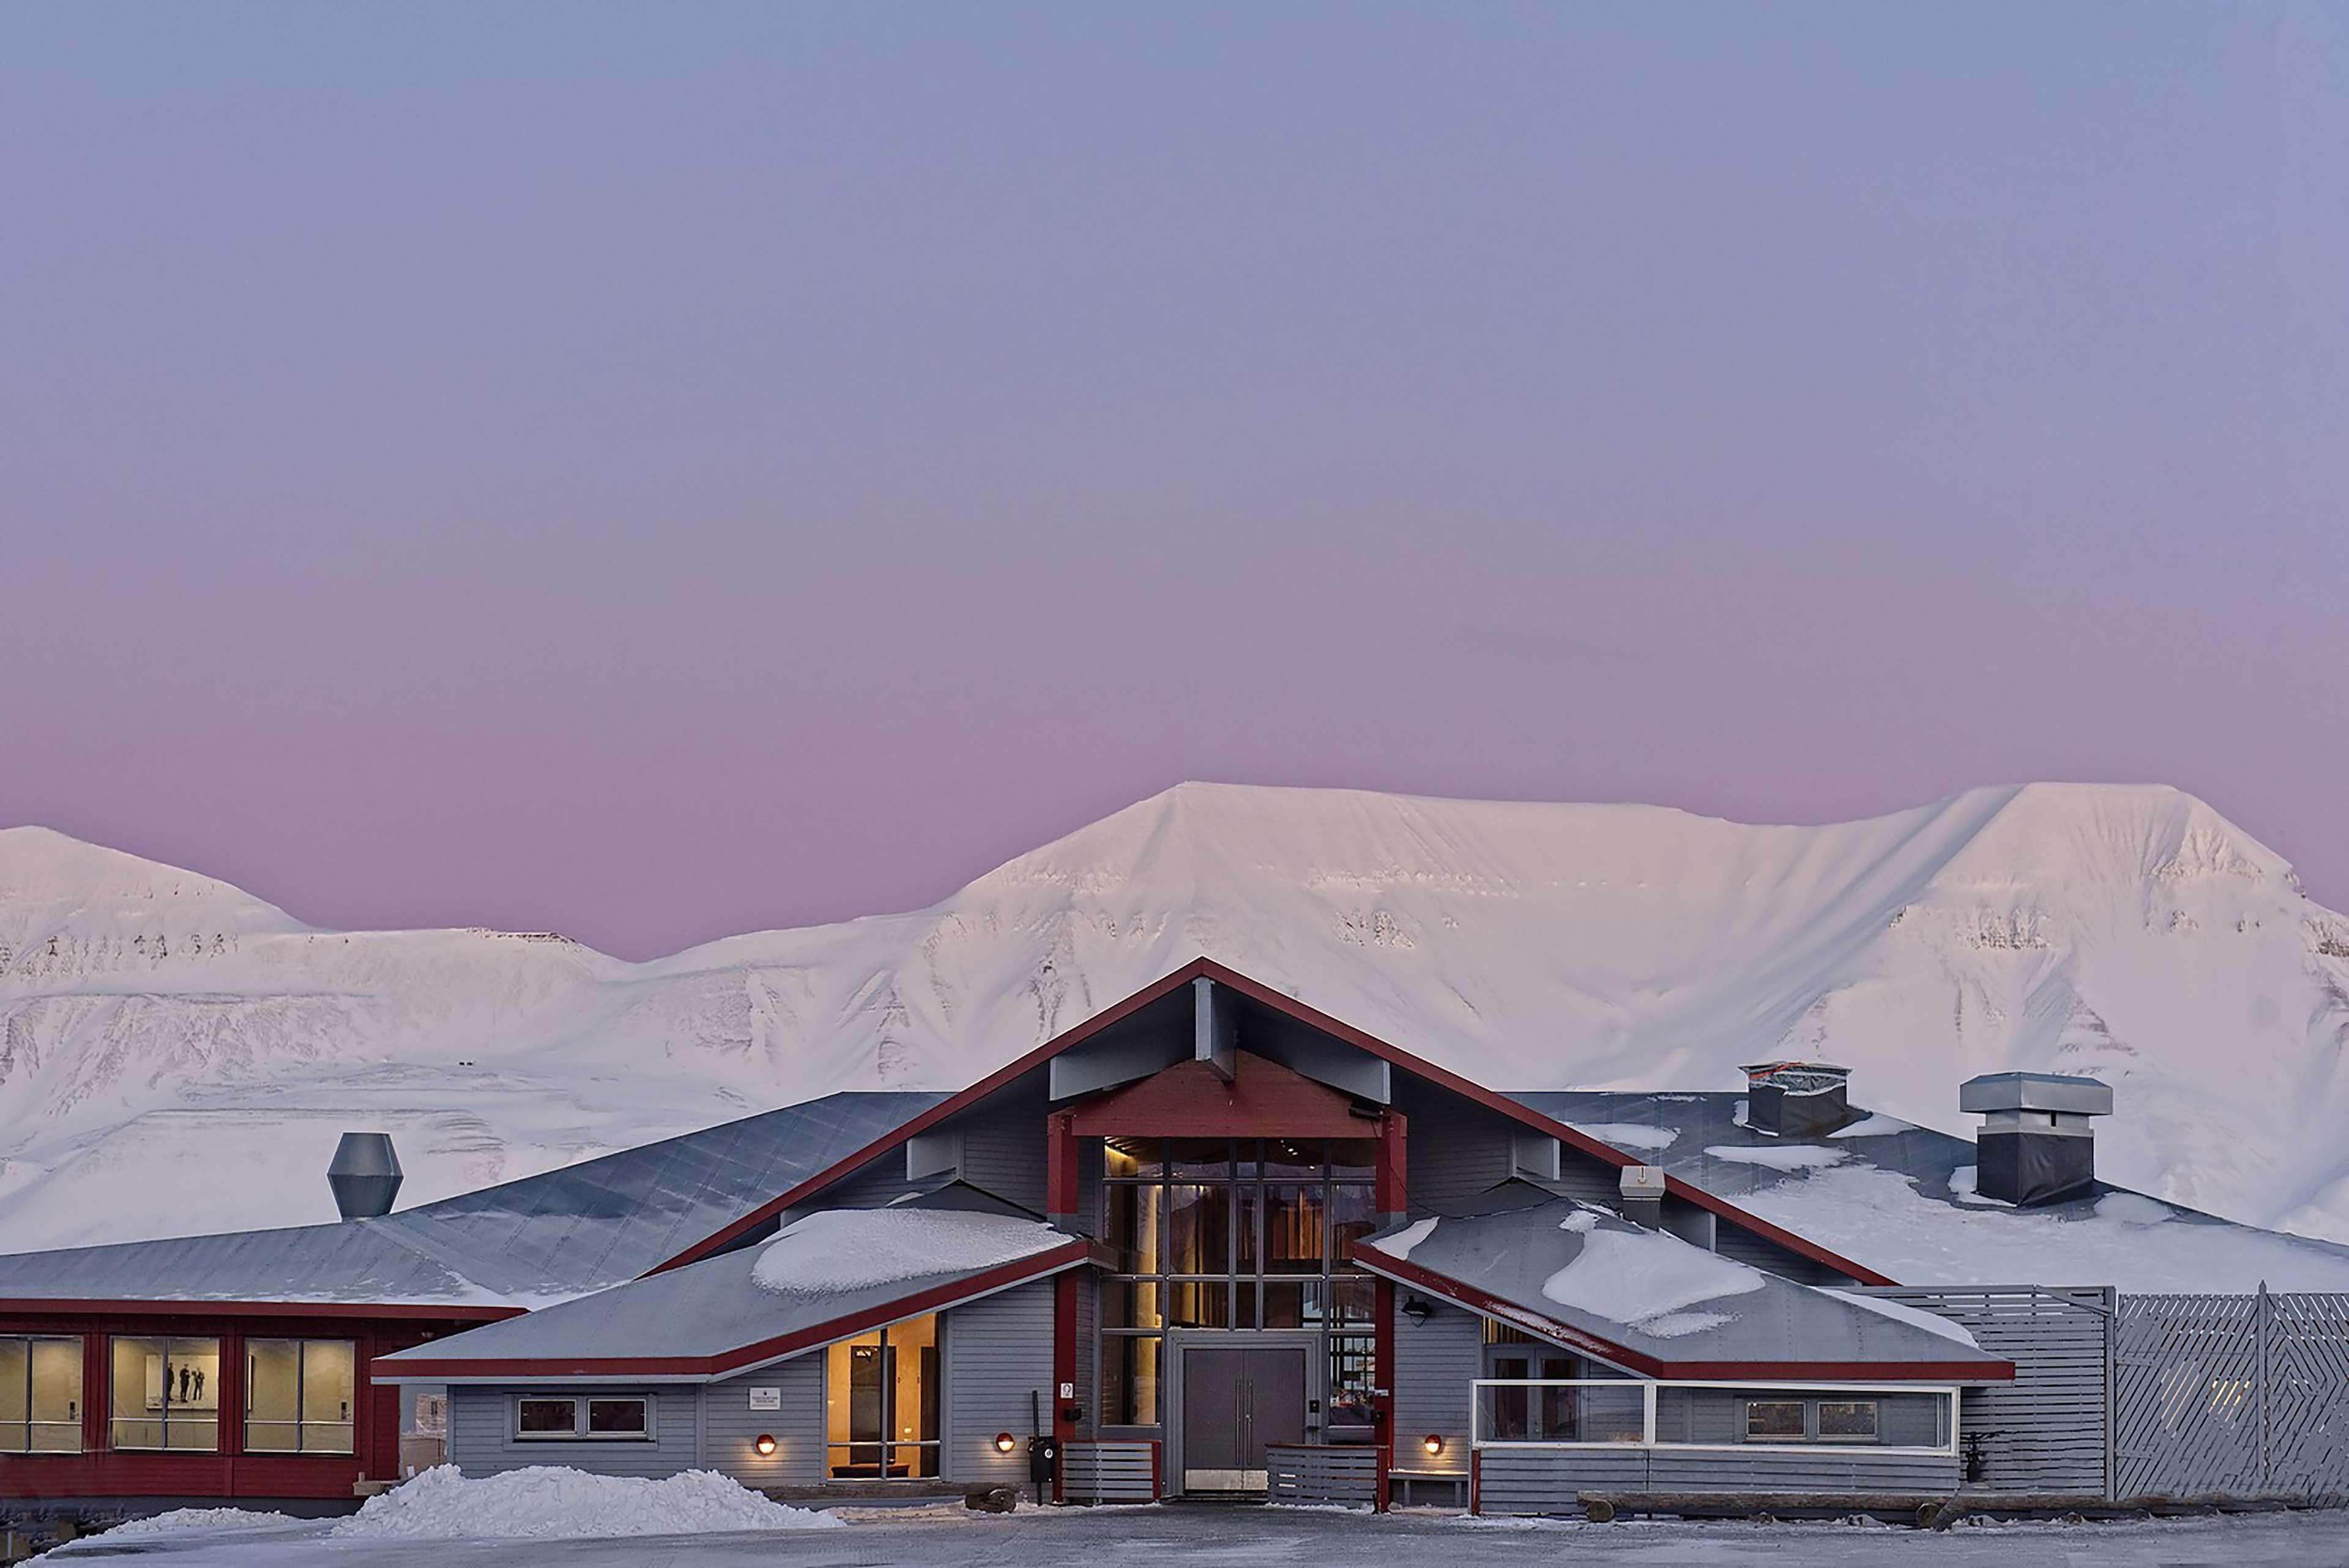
[(998, 1357), (1456, 1149), (1732, 1240), (870, 1188), (1004, 1153), (729, 1425), (482, 1439), (2048, 1431), (1539, 1480), (1435, 1363), (1089, 1351)]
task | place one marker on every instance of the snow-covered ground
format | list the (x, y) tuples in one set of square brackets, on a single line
[(1080, 1537), (179, 1055)]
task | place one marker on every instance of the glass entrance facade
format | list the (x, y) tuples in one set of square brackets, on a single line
[(1235, 1233)]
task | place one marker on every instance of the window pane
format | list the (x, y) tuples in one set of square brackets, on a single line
[(914, 1407), (1127, 1157), (1199, 1159), (1244, 1304), (273, 1379), (1130, 1304), (56, 1397), (1292, 1158), (1198, 1222), (546, 1417), (1351, 1300), (16, 1388), (616, 1417), (137, 1394), (1353, 1373), (1284, 1303), (329, 1384), (1130, 1365), (1133, 1227), (1292, 1230), (1248, 1214), (1198, 1304), (1849, 1421), (854, 1397), (1774, 1420), (165, 1393), (1353, 1158), (1350, 1217), (195, 1434)]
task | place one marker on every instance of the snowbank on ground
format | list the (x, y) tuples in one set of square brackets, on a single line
[(1644, 1278), (857, 1249), (197, 1521), (546, 1501)]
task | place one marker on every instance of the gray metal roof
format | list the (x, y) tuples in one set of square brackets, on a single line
[(1671, 1305), (545, 1237), (714, 1309)]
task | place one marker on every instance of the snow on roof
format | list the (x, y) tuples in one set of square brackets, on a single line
[(1654, 1302), (835, 1250), (1899, 1199), (712, 1312), (543, 1238)]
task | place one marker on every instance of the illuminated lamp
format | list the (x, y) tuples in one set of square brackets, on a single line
[(1005, 1442), (764, 1443), (1432, 1443)]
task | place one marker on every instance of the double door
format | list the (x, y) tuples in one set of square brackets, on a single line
[(1238, 1398)]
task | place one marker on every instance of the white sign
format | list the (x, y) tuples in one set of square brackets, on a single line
[(1067, 1390), (766, 1398)]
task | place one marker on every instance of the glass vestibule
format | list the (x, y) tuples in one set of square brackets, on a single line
[(881, 1404), (1235, 1233)]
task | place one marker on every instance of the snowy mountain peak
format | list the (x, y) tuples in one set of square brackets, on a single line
[(2128, 931)]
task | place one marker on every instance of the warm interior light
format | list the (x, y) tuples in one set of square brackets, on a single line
[(1005, 1442), (1432, 1443), (764, 1443)]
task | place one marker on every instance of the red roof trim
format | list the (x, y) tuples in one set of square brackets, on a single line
[(401, 1311), (1019, 1271), (1403, 1271), (1313, 1018)]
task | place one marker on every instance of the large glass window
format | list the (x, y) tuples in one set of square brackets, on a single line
[(881, 1404), (1247, 1234), (298, 1396), (40, 1395), (166, 1394)]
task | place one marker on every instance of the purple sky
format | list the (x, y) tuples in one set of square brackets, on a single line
[(654, 473)]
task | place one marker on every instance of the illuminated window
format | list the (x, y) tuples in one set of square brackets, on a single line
[(299, 1395), (40, 1395), (166, 1394)]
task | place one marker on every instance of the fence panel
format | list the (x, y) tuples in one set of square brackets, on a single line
[(2232, 1396)]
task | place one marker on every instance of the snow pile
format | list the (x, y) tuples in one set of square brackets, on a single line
[(1400, 1244), (857, 1249), (1644, 1278), (1628, 1134), (1873, 1127), (545, 1502), (1793, 1157), (196, 1522), (181, 1056), (1914, 1316)]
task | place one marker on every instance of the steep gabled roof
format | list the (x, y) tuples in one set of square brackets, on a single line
[(1208, 968)]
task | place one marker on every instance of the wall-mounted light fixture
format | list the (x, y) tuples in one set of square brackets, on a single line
[(1005, 1442), (1417, 1310), (764, 1443), (1433, 1442)]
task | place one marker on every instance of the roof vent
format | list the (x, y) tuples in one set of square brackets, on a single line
[(1644, 1188), (2035, 1145), (1796, 1100), (364, 1174)]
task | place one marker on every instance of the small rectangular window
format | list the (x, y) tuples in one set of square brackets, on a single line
[(546, 1417), (1847, 1421), (598, 1417), (616, 1417), (1774, 1421)]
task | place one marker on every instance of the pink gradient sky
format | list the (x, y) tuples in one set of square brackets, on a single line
[(656, 473)]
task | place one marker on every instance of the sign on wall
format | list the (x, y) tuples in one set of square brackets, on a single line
[(766, 1398)]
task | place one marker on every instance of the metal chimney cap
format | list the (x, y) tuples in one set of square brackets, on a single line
[(2036, 1091), (365, 1175)]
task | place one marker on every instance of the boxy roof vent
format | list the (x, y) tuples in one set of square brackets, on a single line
[(2036, 1144), (1796, 1100)]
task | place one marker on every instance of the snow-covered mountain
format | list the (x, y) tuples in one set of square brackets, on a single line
[(177, 1056)]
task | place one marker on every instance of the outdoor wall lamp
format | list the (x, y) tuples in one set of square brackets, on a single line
[(1432, 1443), (1417, 1310), (1005, 1442), (764, 1443)]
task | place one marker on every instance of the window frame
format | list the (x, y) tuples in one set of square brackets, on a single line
[(885, 1343), (162, 1419), (579, 1432), (1802, 1409), (300, 1425), (79, 1404), (1875, 1433)]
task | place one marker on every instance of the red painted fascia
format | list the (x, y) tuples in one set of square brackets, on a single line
[(1405, 1271), (1070, 1254), (1314, 1018)]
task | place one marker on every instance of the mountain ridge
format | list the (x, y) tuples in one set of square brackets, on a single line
[(156, 1076)]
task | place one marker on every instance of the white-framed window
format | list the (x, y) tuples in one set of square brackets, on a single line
[(40, 1394), (300, 1394), (1775, 1422), (583, 1418), (1847, 1421)]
